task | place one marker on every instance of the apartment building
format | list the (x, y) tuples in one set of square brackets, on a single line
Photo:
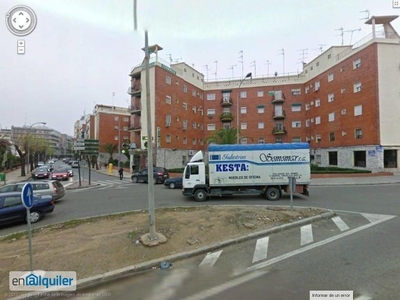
[(345, 103)]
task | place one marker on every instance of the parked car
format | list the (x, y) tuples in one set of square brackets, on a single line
[(75, 164), (49, 166), (173, 183), (39, 164), (41, 173), (60, 174), (160, 175), (51, 188), (12, 209)]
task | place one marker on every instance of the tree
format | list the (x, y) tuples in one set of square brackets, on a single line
[(223, 136), (20, 143), (110, 149)]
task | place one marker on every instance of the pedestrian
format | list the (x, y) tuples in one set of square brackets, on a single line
[(121, 173), (133, 168)]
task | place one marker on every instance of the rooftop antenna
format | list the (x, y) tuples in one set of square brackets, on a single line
[(231, 68), (352, 30), (320, 47), (207, 69), (177, 60), (365, 11), (283, 56), (253, 64), (267, 64), (341, 34), (170, 57), (303, 54), (216, 68), (241, 60)]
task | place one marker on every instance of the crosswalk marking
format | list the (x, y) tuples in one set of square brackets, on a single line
[(340, 224), (168, 287), (261, 250), (210, 259), (306, 234)]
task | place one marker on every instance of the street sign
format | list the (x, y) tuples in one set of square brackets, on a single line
[(27, 196), (79, 148), (91, 147)]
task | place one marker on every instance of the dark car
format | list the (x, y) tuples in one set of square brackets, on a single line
[(173, 183), (51, 188), (12, 210), (41, 173), (160, 175), (60, 174)]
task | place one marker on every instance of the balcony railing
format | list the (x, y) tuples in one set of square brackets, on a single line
[(279, 115), (279, 130), (135, 109), (226, 102), (278, 97), (135, 90), (226, 117), (135, 128)]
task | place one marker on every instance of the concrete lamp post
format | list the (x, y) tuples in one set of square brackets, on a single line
[(237, 108), (43, 123)]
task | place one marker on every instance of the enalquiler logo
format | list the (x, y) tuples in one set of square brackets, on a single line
[(42, 281)]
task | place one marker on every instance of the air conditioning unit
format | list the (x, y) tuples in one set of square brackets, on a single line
[(192, 152)]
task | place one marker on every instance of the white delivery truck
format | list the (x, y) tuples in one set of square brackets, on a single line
[(262, 169)]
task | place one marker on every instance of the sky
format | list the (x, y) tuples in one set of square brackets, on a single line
[(81, 51)]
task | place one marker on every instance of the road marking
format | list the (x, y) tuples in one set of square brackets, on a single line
[(261, 250), (374, 218), (274, 260), (225, 286), (167, 288), (340, 224), (306, 234), (210, 259)]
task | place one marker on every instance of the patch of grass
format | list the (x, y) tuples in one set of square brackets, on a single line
[(16, 236)]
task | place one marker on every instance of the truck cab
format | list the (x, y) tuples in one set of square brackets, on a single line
[(194, 175)]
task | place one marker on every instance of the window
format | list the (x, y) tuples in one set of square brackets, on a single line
[(357, 87), (243, 110), (318, 138), (390, 158), (201, 96), (343, 91), (296, 124), (332, 158), (317, 120), (243, 126), (317, 64), (343, 111), (194, 125), (308, 123), (261, 140), (317, 102), (12, 201), (357, 63), (211, 112), (227, 125), (341, 69), (307, 106), (168, 138), (125, 128), (168, 79), (243, 94), (260, 93), (296, 139), (184, 124), (331, 97), (167, 120), (116, 137), (296, 107), (260, 109), (185, 88), (226, 96), (296, 92), (194, 93), (317, 85), (329, 56), (226, 110), (332, 137), (278, 140), (168, 99), (194, 141), (331, 117), (358, 133), (184, 140), (211, 96), (201, 126), (184, 105), (261, 125), (210, 127), (194, 109), (330, 77), (358, 110), (306, 89), (116, 118), (344, 133), (360, 159)]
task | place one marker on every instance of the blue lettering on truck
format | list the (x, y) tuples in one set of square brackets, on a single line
[(231, 167)]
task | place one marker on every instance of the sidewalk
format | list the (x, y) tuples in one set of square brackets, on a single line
[(15, 176)]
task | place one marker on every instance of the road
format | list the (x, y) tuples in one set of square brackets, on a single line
[(362, 259)]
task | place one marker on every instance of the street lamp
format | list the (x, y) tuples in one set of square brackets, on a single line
[(119, 143), (237, 108), (43, 123)]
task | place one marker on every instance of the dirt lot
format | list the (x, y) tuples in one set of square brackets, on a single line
[(98, 245)]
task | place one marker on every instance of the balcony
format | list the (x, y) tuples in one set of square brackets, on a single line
[(135, 91), (278, 97), (279, 130), (226, 117), (135, 128), (226, 102), (279, 115), (135, 109)]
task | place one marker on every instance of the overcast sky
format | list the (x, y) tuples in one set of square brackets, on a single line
[(82, 51)]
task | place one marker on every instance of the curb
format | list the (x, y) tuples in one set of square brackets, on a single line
[(108, 277), (353, 183), (82, 187)]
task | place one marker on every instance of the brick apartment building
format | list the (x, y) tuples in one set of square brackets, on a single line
[(345, 103)]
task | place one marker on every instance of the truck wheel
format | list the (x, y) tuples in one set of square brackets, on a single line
[(200, 195), (273, 194)]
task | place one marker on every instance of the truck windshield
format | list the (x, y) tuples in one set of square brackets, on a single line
[(191, 170)]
